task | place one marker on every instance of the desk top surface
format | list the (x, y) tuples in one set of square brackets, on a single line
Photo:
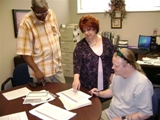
[(140, 56), (92, 112)]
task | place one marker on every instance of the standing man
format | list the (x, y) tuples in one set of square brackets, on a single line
[(38, 43), (131, 91)]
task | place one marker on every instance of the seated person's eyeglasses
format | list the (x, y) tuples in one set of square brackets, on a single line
[(122, 56), (41, 14)]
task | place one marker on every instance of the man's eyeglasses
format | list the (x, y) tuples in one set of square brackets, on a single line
[(122, 56), (41, 14)]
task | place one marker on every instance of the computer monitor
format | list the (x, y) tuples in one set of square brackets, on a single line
[(144, 42)]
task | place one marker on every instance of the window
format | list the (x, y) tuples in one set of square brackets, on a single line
[(94, 6)]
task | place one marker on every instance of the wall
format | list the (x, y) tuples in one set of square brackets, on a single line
[(132, 26), (0, 37), (66, 11), (7, 39)]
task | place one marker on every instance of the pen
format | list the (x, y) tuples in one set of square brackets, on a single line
[(96, 90)]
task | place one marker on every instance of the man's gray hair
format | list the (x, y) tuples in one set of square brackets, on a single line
[(39, 3)]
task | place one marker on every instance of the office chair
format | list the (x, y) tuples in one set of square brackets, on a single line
[(156, 80), (18, 60), (20, 76), (156, 85), (156, 98), (155, 107)]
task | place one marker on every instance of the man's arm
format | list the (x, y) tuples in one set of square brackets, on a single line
[(29, 60), (103, 94), (137, 116), (134, 116)]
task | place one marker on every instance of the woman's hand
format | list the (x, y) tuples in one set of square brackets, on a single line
[(76, 84)]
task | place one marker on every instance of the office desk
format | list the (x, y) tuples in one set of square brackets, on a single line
[(92, 112), (150, 70)]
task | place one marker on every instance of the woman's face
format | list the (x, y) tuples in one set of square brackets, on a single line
[(89, 33)]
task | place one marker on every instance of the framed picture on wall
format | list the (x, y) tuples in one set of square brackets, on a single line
[(17, 16), (116, 23)]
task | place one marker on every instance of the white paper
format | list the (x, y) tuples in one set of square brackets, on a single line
[(123, 42), (15, 116), (38, 97), (48, 111), (158, 40), (70, 105), (16, 93), (73, 100), (155, 63), (74, 96)]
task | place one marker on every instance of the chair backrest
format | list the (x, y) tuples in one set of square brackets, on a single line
[(155, 105), (157, 79), (21, 75), (18, 60)]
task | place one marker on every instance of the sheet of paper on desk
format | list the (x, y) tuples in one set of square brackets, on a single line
[(71, 105), (15, 116), (48, 111), (38, 97), (16, 93), (73, 100), (75, 96), (155, 63), (141, 62)]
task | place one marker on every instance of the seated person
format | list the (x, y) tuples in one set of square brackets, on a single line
[(131, 90)]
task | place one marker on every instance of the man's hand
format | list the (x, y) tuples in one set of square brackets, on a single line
[(94, 91), (39, 75), (117, 119)]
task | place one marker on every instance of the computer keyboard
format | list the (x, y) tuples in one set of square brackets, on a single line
[(139, 51)]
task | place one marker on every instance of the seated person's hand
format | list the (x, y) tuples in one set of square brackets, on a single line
[(76, 84), (94, 91), (117, 119)]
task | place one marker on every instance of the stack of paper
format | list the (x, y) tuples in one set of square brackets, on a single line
[(123, 43), (73, 100), (149, 61), (38, 97), (48, 111), (15, 116), (16, 93)]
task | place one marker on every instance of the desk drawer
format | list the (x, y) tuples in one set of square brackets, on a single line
[(67, 58), (70, 34), (68, 70), (67, 34), (68, 46)]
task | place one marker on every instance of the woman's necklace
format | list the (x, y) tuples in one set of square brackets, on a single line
[(92, 45)]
